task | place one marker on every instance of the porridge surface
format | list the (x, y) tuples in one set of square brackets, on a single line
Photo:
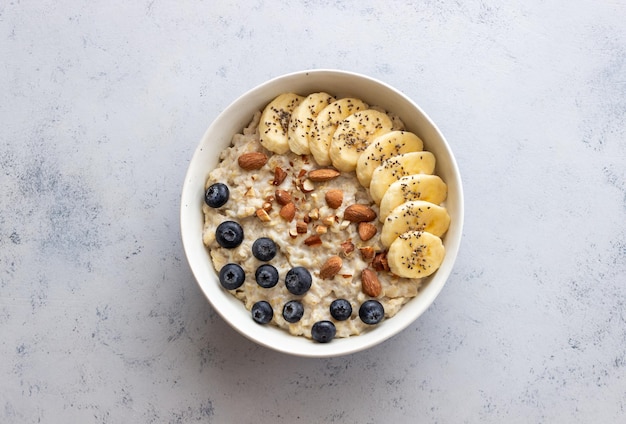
[(251, 191)]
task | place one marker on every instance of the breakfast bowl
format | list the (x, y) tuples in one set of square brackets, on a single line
[(209, 154)]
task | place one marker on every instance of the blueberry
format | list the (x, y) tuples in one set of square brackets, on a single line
[(371, 312), (264, 249), (293, 311), (229, 234), (266, 276), (216, 195), (232, 276), (298, 280), (262, 312), (340, 309), (323, 331)]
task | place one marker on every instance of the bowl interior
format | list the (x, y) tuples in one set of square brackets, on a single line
[(230, 122)]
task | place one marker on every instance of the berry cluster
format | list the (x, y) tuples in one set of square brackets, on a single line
[(298, 280)]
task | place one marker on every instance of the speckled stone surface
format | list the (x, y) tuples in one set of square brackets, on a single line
[(102, 106)]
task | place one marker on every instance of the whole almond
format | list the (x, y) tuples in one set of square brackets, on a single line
[(359, 213), (334, 198), (252, 160), (331, 267), (370, 283), (288, 212), (324, 174), (366, 230), (313, 241), (282, 197)]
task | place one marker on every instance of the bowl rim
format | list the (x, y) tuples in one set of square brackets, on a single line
[(219, 298)]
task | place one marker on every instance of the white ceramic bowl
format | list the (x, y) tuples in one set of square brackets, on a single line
[(231, 121)]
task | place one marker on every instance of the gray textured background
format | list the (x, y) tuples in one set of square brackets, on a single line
[(102, 106)]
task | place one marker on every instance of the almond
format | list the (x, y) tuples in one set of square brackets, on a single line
[(288, 212), (347, 247), (334, 198), (262, 215), (321, 229), (252, 160), (307, 186), (301, 227), (279, 176), (367, 252), (328, 220), (331, 267), (324, 174), (366, 230), (282, 197), (359, 213), (370, 283), (313, 241), (380, 262)]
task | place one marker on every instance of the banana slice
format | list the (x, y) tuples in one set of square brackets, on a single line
[(415, 254), (326, 124), (383, 147), (274, 123), (399, 166), (415, 215), (302, 119), (354, 134), (413, 187)]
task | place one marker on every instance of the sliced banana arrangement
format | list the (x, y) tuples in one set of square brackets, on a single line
[(390, 162)]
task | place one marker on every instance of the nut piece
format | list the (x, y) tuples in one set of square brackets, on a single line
[(331, 267), (314, 214), (328, 220), (252, 160), (380, 262), (262, 215), (279, 176), (282, 197), (367, 252), (307, 186), (366, 230), (359, 213), (324, 174), (347, 247), (370, 283), (321, 229), (288, 212), (334, 198), (301, 227), (313, 241)]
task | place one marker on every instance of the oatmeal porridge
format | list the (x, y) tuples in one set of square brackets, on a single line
[(298, 238)]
